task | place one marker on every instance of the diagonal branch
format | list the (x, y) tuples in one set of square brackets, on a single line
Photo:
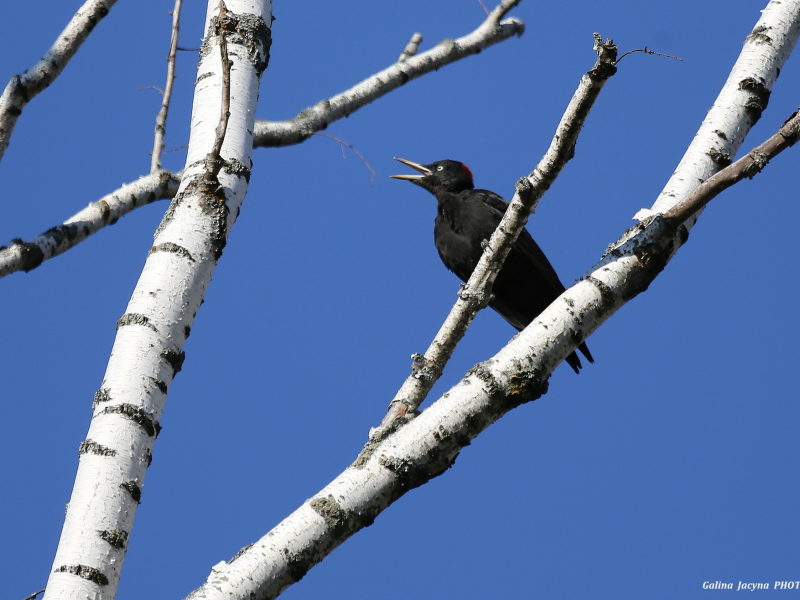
[(161, 119), (746, 167), (22, 88), (476, 294), (26, 256), (322, 114)]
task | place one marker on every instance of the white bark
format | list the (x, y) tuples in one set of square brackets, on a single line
[(147, 352), (423, 447), (22, 88), (738, 106), (25, 256)]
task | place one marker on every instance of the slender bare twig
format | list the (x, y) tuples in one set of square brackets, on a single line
[(354, 149), (25, 256), (151, 87), (22, 88), (33, 596), (476, 294), (746, 167), (176, 149), (412, 48), (646, 50), (322, 114), (223, 23), (486, 10), (161, 119)]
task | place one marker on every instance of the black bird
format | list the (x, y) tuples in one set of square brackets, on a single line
[(527, 283)]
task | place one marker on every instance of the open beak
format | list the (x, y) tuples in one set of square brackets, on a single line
[(416, 166)]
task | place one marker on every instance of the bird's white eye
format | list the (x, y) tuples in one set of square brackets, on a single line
[(440, 168)]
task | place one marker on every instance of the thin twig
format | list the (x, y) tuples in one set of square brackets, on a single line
[(22, 88), (151, 87), (646, 50), (161, 119), (411, 48), (477, 292), (484, 6), (354, 149), (214, 160), (175, 149), (33, 596)]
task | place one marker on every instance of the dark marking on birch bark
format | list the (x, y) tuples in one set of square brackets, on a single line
[(135, 319), (117, 538), (175, 360), (92, 447), (759, 96), (31, 255), (84, 572), (160, 384), (237, 168), (101, 395), (174, 249), (723, 159), (133, 489), (759, 35), (138, 415)]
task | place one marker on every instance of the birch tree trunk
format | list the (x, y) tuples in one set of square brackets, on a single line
[(148, 350)]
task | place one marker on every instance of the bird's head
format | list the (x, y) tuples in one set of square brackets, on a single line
[(445, 175)]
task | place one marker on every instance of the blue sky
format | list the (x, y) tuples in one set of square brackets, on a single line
[(671, 461)]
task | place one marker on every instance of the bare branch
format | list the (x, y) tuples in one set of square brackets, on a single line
[(161, 119), (476, 294), (22, 88), (354, 149), (412, 48), (33, 596), (746, 167), (26, 256), (322, 114)]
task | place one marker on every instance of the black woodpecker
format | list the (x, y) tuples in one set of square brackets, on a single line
[(465, 217)]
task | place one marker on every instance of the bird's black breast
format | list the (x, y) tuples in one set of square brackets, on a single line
[(462, 223)]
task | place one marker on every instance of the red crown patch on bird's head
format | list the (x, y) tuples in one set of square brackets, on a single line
[(466, 168)]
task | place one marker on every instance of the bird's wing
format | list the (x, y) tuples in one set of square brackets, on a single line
[(525, 243), (530, 249), (489, 198)]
